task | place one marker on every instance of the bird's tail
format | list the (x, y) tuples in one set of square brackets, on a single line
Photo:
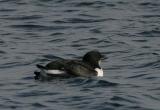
[(37, 75), (42, 73), (41, 67)]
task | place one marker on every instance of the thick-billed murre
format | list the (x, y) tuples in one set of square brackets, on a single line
[(87, 67)]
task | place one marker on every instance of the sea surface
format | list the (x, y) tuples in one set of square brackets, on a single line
[(39, 31)]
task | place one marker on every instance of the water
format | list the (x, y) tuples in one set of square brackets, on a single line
[(38, 31)]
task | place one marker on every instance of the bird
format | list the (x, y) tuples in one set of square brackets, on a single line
[(88, 66)]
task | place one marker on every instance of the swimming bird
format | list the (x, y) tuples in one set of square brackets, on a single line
[(87, 67)]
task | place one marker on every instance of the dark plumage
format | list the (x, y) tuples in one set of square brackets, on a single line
[(85, 67)]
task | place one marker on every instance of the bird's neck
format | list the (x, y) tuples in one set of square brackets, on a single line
[(99, 72)]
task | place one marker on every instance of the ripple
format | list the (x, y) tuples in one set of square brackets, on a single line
[(88, 15), (2, 42), (77, 45), (84, 4), (35, 93), (151, 16), (148, 4), (142, 40), (114, 104), (79, 20), (153, 64), (39, 105), (2, 52), (50, 56), (152, 78), (39, 27), (119, 98), (151, 33), (71, 10), (138, 107), (138, 76), (92, 83), (85, 40), (103, 83), (24, 17), (5, 1), (61, 1), (152, 97), (96, 31), (9, 107), (57, 33), (7, 10), (57, 40), (94, 4), (14, 64), (28, 78)]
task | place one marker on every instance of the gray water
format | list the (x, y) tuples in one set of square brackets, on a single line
[(39, 31)]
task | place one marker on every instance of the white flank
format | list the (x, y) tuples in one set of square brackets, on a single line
[(54, 72), (99, 71), (45, 73)]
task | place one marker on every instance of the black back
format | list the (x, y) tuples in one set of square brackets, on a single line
[(85, 67)]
